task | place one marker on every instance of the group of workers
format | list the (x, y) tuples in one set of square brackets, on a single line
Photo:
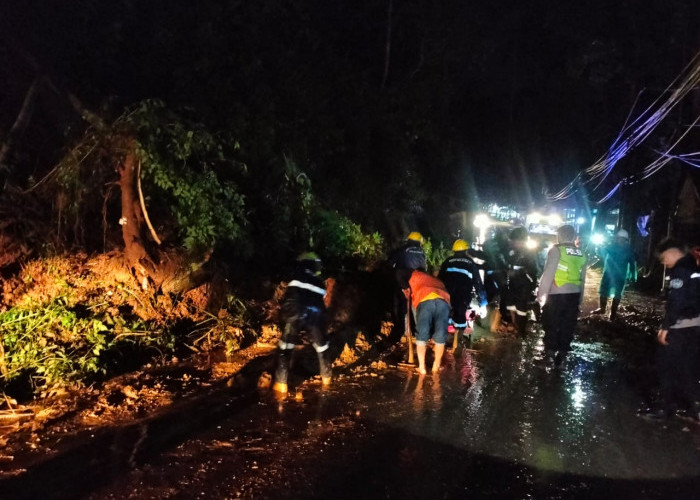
[(458, 295)]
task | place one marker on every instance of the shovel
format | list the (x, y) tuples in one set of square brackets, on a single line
[(409, 336)]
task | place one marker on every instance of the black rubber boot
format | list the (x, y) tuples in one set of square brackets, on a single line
[(549, 358), (560, 360), (324, 365), (521, 325), (613, 308), (514, 320), (282, 372), (603, 306)]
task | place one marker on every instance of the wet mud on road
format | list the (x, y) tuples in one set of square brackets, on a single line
[(496, 422), (509, 429)]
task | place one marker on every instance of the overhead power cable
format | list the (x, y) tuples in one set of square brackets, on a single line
[(664, 159), (634, 133)]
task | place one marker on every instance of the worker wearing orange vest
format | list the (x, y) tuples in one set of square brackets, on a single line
[(431, 303)]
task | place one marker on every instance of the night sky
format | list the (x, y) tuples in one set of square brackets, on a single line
[(476, 99)]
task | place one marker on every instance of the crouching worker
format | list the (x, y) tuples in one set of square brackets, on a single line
[(431, 303), (303, 311), (561, 285)]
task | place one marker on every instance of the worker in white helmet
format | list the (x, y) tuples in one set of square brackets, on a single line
[(620, 266)]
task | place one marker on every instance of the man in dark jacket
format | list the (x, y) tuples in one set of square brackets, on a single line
[(522, 280), (404, 260), (460, 274), (303, 311), (496, 280), (679, 336), (409, 256)]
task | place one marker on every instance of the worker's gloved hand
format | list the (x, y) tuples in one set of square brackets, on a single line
[(483, 311)]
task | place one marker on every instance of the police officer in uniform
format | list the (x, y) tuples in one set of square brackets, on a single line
[(679, 335), (561, 288)]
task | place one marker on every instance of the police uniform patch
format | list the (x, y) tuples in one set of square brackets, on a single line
[(676, 284)]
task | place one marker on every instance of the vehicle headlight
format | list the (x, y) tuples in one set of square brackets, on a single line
[(598, 239)]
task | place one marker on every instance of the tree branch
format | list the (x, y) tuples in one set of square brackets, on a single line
[(18, 127), (143, 206), (387, 48)]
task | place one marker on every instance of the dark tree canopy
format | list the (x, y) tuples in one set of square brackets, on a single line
[(397, 110)]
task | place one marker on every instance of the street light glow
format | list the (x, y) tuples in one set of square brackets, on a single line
[(482, 221), (555, 220)]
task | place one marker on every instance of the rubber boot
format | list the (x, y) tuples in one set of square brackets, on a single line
[(537, 309), (514, 320), (521, 325), (467, 335), (282, 372), (439, 350), (613, 308), (560, 360), (420, 352), (325, 368), (550, 357), (603, 305)]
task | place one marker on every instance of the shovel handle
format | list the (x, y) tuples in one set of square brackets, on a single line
[(407, 330)]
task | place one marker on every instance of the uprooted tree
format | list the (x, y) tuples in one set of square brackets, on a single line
[(155, 157)]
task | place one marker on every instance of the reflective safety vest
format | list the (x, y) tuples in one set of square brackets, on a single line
[(571, 261)]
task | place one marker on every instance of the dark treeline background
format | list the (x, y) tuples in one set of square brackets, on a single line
[(399, 112)]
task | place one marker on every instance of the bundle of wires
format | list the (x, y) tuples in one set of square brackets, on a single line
[(635, 132)]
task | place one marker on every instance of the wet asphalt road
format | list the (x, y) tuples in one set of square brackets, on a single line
[(496, 422)]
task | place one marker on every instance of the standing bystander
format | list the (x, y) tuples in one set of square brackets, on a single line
[(679, 336)]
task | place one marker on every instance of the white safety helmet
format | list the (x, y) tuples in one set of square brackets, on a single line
[(623, 234)]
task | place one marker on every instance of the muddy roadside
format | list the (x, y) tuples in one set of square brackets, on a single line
[(147, 410), (42, 429)]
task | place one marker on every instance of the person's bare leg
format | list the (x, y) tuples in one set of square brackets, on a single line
[(439, 351), (421, 348)]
